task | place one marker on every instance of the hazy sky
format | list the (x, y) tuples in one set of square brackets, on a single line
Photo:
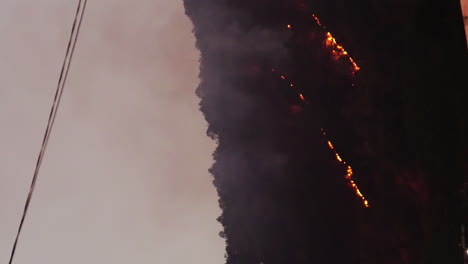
[(125, 176), (464, 4)]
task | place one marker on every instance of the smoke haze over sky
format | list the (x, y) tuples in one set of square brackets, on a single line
[(464, 5), (125, 176)]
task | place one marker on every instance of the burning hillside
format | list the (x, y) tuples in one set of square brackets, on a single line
[(319, 157)]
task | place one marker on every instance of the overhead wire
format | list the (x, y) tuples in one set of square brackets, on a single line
[(80, 10)]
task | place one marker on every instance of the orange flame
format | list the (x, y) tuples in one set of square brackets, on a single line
[(336, 49), (349, 172), (301, 96), (338, 158), (317, 20), (349, 169)]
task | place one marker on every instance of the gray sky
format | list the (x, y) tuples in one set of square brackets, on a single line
[(125, 176)]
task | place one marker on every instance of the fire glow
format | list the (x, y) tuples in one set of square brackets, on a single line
[(349, 169), (300, 95), (337, 49)]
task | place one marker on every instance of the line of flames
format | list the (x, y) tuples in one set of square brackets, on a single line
[(337, 49), (349, 169)]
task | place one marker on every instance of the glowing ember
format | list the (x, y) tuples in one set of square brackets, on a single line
[(317, 20), (301, 96), (289, 26), (338, 158)]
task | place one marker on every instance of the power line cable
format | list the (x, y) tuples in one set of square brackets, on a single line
[(80, 10)]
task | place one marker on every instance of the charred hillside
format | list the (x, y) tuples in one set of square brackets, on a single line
[(272, 78)]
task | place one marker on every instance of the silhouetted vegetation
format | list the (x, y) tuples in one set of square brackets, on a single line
[(401, 125)]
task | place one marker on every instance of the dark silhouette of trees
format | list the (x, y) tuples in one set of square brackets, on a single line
[(399, 122)]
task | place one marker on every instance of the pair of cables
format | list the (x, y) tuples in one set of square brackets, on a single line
[(80, 10)]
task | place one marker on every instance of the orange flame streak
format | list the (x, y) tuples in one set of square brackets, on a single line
[(301, 96), (331, 42), (338, 158), (349, 169), (338, 50), (355, 66), (317, 20), (349, 172)]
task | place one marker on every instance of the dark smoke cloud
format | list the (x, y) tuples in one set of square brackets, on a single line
[(283, 195)]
